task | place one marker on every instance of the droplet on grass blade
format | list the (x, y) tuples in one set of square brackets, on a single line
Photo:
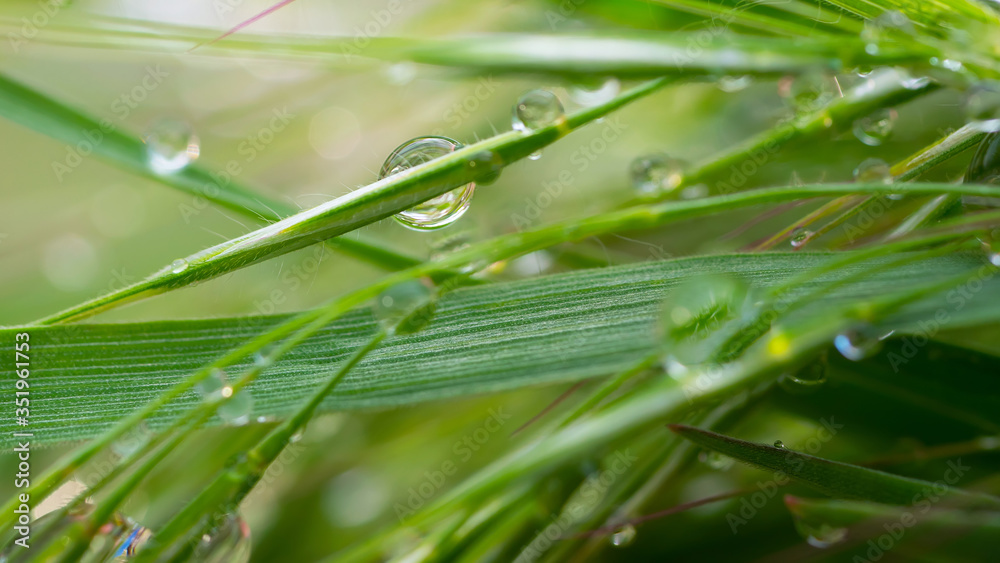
[(228, 542), (623, 536), (800, 237), (873, 171), (536, 109), (439, 211), (238, 408), (875, 129), (857, 344), (594, 92), (820, 535), (178, 266), (405, 308), (171, 145), (779, 444), (656, 173)]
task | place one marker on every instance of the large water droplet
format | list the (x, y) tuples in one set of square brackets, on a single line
[(820, 535), (238, 408), (229, 542), (857, 344), (656, 173), (875, 129), (536, 109), (171, 145), (873, 171), (592, 93), (439, 211), (405, 307), (624, 536), (178, 266), (982, 101)]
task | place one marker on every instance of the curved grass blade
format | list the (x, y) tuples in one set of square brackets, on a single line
[(34, 110), (363, 206), (839, 480)]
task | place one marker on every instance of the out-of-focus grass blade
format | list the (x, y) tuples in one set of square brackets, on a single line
[(34, 110), (839, 480)]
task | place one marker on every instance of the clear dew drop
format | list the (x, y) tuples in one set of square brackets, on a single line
[(916, 82), (873, 171), (405, 307), (800, 237), (237, 410), (178, 266), (536, 109), (821, 536), (211, 387), (982, 101), (779, 444), (808, 378), (623, 536), (229, 542), (656, 173), (875, 129), (715, 460), (810, 91), (117, 540), (171, 145), (591, 93), (732, 84), (439, 211), (535, 155), (857, 344), (486, 167)]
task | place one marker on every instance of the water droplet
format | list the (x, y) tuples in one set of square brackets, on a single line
[(229, 542), (262, 360), (800, 237), (439, 211), (238, 408), (982, 101), (810, 91), (820, 535), (873, 171), (171, 145), (656, 173), (779, 444), (211, 387), (731, 84), (296, 437), (535, 155), (536, 109), (857, 344), (624, 536), (694, 192), (486, 166), (915, 82), (875, 129), (405, 307), (591, 93), (984, 168), (178, 266), (808, 378), (117, 540), (715, 460)]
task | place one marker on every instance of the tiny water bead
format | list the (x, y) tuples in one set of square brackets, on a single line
[(656, 173), (857, 344), (624, 536), (228, 542), (536, 109), (171, 145), (875, 129), (715, 460), (873, 171), (178, 266), (779, 444), (800, 237), (594, 92), (731, 84), (439, 211)]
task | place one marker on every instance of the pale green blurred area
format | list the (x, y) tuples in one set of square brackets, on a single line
[(67, 241)]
